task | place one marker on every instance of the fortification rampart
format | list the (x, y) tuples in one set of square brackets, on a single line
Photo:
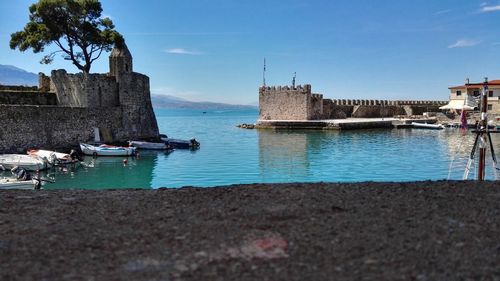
[(85, 90), (286, 103), (298, 103), (66, 108)]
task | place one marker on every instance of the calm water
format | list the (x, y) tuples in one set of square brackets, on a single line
[(230, 155)]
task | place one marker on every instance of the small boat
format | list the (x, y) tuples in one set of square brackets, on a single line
[(13, 183), (54, 157), (149, 145), (27, 162), (106, 150), (182, 144), (427, 126)]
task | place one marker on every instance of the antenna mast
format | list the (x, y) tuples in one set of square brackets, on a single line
[(264, 74), (293, 80)]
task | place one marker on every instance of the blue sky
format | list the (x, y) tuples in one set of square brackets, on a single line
[(213, 50)]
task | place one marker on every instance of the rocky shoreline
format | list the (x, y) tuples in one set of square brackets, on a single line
[(444, 230)]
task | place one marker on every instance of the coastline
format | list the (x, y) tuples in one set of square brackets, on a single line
[(431, 230)]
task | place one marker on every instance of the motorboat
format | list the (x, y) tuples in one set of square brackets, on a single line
[(149, 145), (427, 126), (53, 156), (13, 183), (107, 150), (27, 162), (181, 144)]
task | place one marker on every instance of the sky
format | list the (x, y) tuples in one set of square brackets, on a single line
[(214, 50)]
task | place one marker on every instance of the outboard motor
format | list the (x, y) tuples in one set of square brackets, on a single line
[(75, 156), (20, 173)]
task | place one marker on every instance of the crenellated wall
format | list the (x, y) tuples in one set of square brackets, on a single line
[(288, 103), (66, 108)]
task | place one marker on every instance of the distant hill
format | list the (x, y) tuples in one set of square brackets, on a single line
[(165, 101), (11, 75)]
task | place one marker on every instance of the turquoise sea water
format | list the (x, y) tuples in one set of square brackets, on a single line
[(230, 155)]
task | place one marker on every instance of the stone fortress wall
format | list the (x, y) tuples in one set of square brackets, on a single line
[(65, 108), (299, 103)]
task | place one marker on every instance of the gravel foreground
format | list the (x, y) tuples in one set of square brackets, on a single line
[(445, 230)]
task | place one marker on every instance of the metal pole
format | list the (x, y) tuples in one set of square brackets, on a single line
[(482, 131)]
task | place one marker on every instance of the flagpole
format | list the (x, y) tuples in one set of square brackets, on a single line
[(264, 74)]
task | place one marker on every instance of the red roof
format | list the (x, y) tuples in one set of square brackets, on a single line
[(477, 85)]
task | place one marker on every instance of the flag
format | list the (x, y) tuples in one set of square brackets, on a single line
[(463, 121)]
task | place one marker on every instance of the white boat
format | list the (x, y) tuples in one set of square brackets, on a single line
[(13, 183), (27, 162), (106, 150), (427, 126), (53, 156), (148, 145)]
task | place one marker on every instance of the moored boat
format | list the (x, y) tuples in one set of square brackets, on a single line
[(13, 183), (106, 150), (149, 145), (182, 144), (427, 126), (53, 156), (27, 162)]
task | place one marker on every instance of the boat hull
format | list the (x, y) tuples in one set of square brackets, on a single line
[(53, 156), (427, 126), (148, 145), (27, 162), (104, 150), (11, 183)]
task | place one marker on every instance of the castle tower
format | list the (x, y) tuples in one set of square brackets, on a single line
[(120, 61)]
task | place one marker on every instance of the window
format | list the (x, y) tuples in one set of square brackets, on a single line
[(459, 93), (490, 107), (476, 93), (490, 94)]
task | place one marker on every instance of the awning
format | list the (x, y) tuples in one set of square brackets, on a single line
[(457, 104)]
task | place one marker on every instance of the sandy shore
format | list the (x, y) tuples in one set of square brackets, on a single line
[(374, 231)]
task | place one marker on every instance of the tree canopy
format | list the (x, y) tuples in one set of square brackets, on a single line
[(75, 26)]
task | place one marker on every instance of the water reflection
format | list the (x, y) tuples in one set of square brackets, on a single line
[(106, 172)]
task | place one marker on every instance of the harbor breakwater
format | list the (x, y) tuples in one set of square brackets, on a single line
[(300, 103)]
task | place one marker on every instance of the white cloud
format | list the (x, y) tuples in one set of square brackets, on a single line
[(486, 9), (181, 51), (442, 12), (464, 43)]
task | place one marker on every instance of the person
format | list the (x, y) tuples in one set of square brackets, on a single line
[(20, 173)]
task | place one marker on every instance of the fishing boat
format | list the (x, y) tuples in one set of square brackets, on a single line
[(106, 150), (427, 126), (149, 145), (27, 162), (13, 183), (53, 156), (182, 144)]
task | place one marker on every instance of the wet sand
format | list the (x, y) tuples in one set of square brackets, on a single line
[(375, 231)]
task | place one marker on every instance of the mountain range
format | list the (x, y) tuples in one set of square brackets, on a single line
[(11, 75)]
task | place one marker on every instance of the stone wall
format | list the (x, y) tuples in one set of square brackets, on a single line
[(54, 127), (85, 90), (285, 103), (27, 97)]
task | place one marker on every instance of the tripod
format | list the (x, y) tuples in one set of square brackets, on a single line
[(483, 136)]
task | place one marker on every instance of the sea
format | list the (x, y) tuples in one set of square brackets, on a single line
[(231, 155)]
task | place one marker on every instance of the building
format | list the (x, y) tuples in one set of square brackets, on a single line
[(67, 109), (468, 96)]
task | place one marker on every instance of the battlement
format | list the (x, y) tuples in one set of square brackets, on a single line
[(355, 102), (304, 89)]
